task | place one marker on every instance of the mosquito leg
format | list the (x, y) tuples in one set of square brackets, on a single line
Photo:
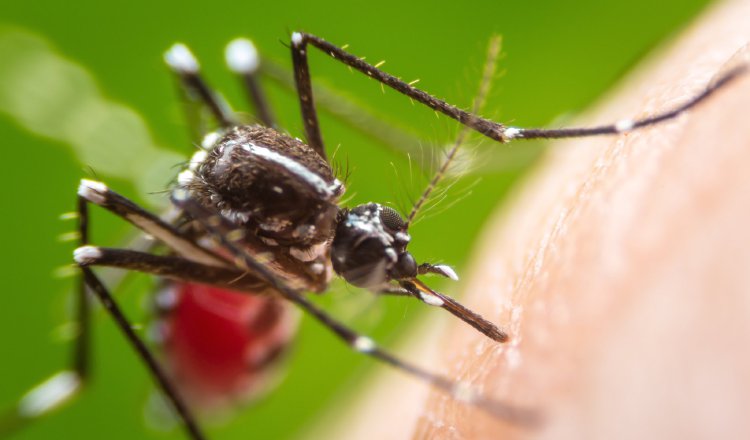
[(493, 130), (221, 230), (143, 352), (82, 346), (99, 194), (305, 94), (350, 113), (625, 125), (181, 243), (63, 386), (97, 287), (172, 267), (243, 59), (66, 384), (184, 64)]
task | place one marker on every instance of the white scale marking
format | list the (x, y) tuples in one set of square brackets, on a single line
[(242, 56), (403, 237), (511, 132), (317, 268), (185, 177), (198, 158), (179, 58), (301, 171), (209, 140), (93, 191), (447, 271), (296, 38), (86, 254), (50, 394), (431, 300), (624, 125), (363, 344), (370, 223), (234, 216)]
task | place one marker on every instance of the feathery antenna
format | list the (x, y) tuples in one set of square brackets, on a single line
[(490, 68)]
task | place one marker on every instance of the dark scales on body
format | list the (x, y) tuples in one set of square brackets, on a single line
[(280, 192)]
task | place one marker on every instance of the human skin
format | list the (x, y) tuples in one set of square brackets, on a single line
[(621, 269)]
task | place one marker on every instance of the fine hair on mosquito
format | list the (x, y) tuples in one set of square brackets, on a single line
[(257, 221)]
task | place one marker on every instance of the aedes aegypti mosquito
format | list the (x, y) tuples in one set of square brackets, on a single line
[(258, 222)]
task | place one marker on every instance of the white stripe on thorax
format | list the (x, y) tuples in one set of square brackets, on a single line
[(294, 167)]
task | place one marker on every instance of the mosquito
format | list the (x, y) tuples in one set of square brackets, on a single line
[(257, 223)]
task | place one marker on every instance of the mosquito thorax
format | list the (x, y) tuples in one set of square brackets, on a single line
[(369, 247), (272, 184)]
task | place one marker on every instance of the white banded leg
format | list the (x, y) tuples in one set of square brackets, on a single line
[(493, 130), (65, 385), (221, 230), (243, 59), (194, 88)]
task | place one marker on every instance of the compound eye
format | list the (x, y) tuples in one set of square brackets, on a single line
[(362, 264), (392, 219), (406, 267)]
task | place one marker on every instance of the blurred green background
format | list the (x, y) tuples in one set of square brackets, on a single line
[(558, 57)]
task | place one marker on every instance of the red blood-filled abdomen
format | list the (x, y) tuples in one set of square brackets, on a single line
[(220, 346)]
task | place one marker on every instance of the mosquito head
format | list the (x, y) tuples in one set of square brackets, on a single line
[(369, 248)]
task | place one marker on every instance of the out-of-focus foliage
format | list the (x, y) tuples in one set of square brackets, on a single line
[(53, 97)]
